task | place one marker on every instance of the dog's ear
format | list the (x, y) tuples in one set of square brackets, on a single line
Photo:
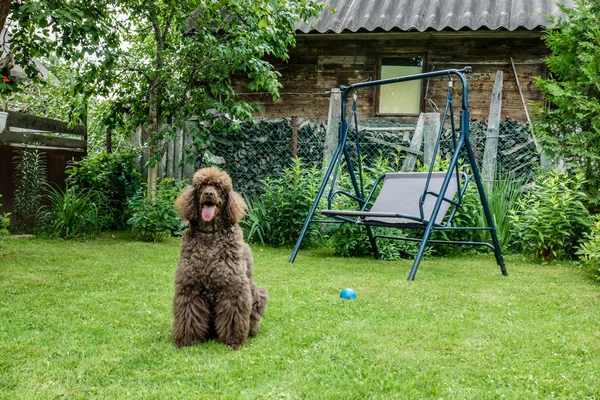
[(187, 204), (236, 207)]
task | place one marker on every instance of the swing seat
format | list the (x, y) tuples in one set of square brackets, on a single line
[(405, 200)]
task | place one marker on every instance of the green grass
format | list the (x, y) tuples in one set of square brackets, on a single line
[(92, 319)]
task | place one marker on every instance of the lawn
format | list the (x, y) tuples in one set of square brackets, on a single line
[(92, 320)]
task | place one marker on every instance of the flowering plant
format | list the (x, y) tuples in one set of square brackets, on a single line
[(6, 90)]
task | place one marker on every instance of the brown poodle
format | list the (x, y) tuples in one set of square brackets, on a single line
[(215, 295)]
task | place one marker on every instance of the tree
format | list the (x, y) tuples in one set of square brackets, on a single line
[(184, 56), (569, 126), (69, 29)]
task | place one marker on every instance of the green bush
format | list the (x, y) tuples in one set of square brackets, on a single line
[(569, 120), (551, 216), (113, 174), (156, 220), (501, 201), (70, 213), (287, 201), (256, 225), (589, 249), (30, 178), (4, 223)]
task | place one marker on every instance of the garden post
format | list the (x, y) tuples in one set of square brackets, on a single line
[(490, 154)]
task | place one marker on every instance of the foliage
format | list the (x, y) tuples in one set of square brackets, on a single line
[(71, 213), (30, 177), (4, 223), (69, 29), (550, 218), (184, 59), (501, 201), (115, 175), (589, 249), (570, 125), (8, 86), (156, 220), (54, 97), (256, 225), (287, 201)]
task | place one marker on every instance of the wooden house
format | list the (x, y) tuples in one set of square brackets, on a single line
[(374, 39)]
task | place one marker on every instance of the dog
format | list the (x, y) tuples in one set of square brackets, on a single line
[(215, 295)]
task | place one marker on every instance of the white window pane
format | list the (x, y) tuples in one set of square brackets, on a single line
[(400, 98)]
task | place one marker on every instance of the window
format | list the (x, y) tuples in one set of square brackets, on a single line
[(403, 97)]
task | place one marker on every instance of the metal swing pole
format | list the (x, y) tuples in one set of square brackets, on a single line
[(486, 208), (343, 135), (464, 114)]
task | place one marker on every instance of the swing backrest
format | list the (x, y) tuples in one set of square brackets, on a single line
[(401, 193)]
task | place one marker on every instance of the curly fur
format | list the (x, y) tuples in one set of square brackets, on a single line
[(215, 295)]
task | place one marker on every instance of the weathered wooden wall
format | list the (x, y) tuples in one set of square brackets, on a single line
[(59, 150), (322, 62)]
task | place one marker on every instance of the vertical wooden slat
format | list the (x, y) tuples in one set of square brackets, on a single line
[(333, 122), (431, 129), (490, 153), (188, 169), (170, 159), (178, 153), (415, 145)]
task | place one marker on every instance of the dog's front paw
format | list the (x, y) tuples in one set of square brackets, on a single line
[(234, 344)]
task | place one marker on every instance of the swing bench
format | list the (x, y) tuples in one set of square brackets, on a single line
[(407, 200)]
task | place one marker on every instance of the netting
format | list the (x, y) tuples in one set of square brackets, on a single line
[(264, 149)]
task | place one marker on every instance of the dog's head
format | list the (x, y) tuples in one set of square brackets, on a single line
[(211, 199)]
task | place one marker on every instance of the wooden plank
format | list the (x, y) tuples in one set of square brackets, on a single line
[(188, 169), (415, 145), (431, 130), (333, 124), (490, 153), (8, 137), (178, 153), (26, 121), (171, 158)]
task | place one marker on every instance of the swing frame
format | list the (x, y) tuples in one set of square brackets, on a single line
[(428, 225)]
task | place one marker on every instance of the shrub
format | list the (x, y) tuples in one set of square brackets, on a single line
[(550, 217), (156, 220), (287, 201), (113, 174), (70, 213), (589, 250), (4, 223), (569, 121), (256, 225), (501, 201), (30, 178)]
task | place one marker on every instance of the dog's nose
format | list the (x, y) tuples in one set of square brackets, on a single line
[(209, 193)]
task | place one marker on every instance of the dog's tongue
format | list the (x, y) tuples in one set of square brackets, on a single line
[(208, 212)]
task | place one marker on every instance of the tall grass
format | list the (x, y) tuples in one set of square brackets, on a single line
[(501, 201), (70, 213), (30, 178), (256, 224)]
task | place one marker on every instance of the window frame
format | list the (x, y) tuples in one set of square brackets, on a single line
[(378, 65)]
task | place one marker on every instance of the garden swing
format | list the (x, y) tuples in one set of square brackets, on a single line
[(411, 200)]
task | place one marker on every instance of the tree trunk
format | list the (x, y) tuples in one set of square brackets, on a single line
[(4, 10), (154, 100), (153, 129)]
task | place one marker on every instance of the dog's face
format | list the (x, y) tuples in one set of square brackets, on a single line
[(211, 199)]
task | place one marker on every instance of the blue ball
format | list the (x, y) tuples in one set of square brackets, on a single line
[(348, 294)]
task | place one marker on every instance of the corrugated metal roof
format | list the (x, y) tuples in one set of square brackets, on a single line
[(437, 15)]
